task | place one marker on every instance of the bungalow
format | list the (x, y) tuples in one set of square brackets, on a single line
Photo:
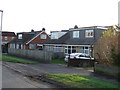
[(29, 40), (76, 40)]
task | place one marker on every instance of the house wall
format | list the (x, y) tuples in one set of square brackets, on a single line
[(38, 39), (9, 38)]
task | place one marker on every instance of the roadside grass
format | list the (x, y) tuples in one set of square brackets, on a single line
[(16, 60), (57, 61), (80, 81)]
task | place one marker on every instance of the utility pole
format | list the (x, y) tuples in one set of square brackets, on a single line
[(1, 12)]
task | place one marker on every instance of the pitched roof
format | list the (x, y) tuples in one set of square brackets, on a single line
[(27, 36), (66, 39), (80, 41), (5, 33), (61, 40)]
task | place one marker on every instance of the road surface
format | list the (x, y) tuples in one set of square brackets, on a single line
[(11, 79)]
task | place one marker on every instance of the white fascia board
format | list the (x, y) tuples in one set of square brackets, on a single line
[(69, 45), (55, 44), (79, 45)]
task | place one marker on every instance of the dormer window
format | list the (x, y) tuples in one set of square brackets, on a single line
[(75, 34), (19, 36), (89, 33), (43, 36)]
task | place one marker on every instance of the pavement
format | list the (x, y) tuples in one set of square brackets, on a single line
[(11, 79)]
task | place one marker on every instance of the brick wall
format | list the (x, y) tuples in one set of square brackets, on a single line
[(38, 40), (9, 38)]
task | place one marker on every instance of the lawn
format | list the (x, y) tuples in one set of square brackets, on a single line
[(16, 60), (57, 61), (80, 81)]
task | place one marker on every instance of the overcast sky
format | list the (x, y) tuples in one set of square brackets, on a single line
[(55, 15)]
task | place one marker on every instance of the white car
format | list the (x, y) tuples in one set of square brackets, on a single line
[(78, 56)]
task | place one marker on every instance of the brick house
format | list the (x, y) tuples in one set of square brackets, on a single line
[(29, 40), (76, 40), (6, 37)]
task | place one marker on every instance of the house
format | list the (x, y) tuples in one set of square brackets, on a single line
[(30, 40), (6, 37), (76, 40)]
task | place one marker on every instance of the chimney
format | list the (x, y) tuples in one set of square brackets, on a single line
[(43, 29), (32, 30), (75, 27)]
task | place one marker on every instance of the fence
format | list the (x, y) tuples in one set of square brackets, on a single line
[(36, 54)]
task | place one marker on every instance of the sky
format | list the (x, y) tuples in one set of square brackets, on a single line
[(56, 15)]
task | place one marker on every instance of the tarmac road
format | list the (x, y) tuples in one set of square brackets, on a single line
[(11, 79)]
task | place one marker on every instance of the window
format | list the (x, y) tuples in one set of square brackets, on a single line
[(75, 34), (19, 46), (12, 45), (19, 36), (73, 49), (6, 38), (84, 50), (32, 46), (54, 36), (89, 33), (43, 36)]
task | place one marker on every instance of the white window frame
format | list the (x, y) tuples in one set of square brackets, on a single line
[(84, 50), (6, 38), (19, 36), (17, 46), (21, 46), (43, 36), (76, 34), (89, 31)]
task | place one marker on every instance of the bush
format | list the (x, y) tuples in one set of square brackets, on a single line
[(106, 48), (115, 57)]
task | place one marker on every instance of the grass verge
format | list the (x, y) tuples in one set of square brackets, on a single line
[(16, 60), (80, 81), (57, 61)]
